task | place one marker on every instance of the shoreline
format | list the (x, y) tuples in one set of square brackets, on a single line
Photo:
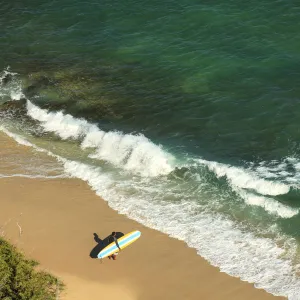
[(58, 219)]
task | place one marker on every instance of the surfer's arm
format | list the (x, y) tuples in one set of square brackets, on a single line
[(118, 245), (116, 241)]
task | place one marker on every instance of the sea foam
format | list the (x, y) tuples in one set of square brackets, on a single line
[(253, 189), (135, 153)]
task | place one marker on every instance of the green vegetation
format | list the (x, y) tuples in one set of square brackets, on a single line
[(19, 279)]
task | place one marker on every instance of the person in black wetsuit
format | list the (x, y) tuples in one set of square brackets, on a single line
[(113, 238)]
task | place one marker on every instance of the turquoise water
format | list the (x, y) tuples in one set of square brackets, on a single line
[(214, 83)]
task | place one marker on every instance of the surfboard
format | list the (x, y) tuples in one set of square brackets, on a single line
[(123, 242)]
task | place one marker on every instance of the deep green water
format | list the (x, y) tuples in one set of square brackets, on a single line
[(216, 83), (222, 76)]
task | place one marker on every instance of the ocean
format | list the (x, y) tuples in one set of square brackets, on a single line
[(183, 115)]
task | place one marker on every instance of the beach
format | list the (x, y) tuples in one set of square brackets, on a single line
[(54, 222), (178, 119)]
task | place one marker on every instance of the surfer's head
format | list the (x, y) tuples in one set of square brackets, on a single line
[(113, 233)]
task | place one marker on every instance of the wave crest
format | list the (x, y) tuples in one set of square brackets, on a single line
[(135, 153)]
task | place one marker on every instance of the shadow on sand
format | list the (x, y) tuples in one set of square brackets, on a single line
[(101, 244)]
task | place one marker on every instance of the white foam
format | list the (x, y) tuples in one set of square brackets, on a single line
[(270, 205), (221, 241), (242, 181), (286, 170), (34, 176), (246, 179), (13, 89), (135, 153), (65, 126)]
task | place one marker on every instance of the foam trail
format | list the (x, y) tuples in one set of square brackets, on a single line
[(242, 180), (270, 205), (219, 240), (286, 170), (246, 179), (135, 153), (34, 176)]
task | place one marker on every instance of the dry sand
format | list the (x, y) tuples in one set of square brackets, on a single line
[(59, 217)]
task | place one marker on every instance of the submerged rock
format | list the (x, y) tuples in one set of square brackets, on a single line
[(6, 79), (12, 105), (16, 111), (35, 82), (82, 95)]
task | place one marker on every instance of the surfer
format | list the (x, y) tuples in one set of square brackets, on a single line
[(113, 238)]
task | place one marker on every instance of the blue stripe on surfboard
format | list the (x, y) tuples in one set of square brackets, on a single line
[(114, 247)]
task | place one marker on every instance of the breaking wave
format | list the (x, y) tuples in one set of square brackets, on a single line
[(135, 153)]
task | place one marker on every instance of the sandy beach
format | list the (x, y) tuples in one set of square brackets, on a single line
[(59, 219)]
